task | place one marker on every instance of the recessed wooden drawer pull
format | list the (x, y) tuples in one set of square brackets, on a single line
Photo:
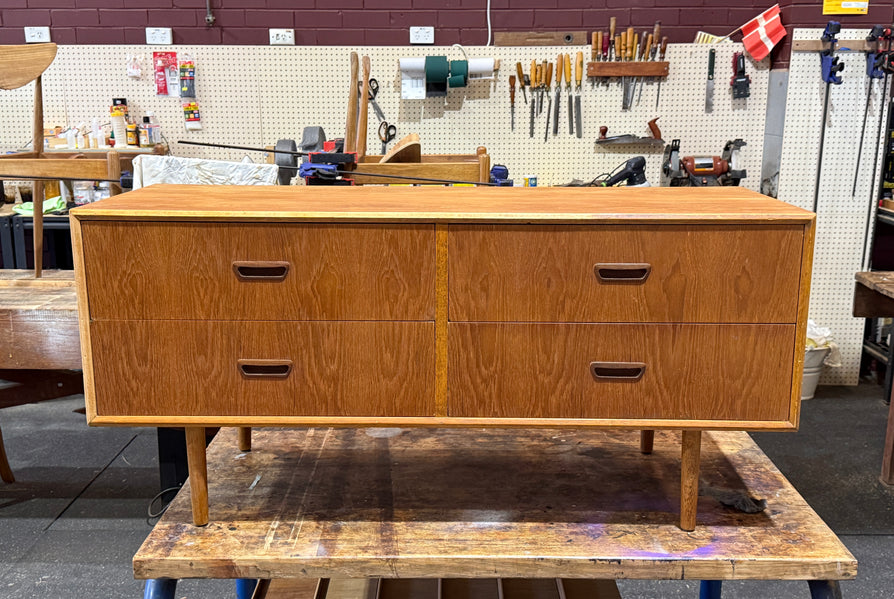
[(268, 369), (623, 272), (260, 271), (617, 371)]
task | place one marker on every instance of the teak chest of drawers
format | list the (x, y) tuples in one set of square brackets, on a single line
[(627, 308)]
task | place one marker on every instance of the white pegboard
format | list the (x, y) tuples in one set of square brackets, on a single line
[(256, 95), (841, 214)]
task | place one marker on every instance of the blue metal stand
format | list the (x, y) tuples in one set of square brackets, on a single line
[(160, 588), (245, 587), (710, 589)]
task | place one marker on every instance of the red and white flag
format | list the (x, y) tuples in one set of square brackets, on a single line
[(762, 33)]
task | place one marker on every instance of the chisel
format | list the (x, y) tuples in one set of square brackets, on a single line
[(612, 48), (521, 80), (512, 98), (543, 90), (578, 75), (533, 95), (560, 63), (661, 53), (549, 98), (709, 86), (568, 89)]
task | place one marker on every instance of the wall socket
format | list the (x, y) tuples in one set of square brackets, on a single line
[(37, 35), (282, 37), (422, 35), (159, 35)]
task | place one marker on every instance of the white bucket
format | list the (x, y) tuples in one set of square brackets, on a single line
[(813, 366)]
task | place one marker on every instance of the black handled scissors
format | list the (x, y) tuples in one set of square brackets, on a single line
[(387, 133), (373, 94)]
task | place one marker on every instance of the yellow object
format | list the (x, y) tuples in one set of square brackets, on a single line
[(845, 7)]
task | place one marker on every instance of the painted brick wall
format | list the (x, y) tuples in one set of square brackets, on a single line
[(385, 22)]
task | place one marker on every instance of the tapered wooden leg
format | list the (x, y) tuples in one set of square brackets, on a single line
[(244, 438), (5, 470), (646, 441), (198, 474), (692, 442)]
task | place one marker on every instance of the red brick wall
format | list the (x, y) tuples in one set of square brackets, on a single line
[(385, 22)]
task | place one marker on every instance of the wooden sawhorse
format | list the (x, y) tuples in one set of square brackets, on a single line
[(488, 504)]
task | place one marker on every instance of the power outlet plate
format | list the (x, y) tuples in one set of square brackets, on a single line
[(37, 35), (422, 35), (282, 37), (159, 35)]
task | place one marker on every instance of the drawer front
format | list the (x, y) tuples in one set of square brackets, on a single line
[(241, 271), (178, 368), (681, 372), (665, 273)]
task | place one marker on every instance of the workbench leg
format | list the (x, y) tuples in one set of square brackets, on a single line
[(887, 476), (5, 470), (646, 441), (198, 474), (689, 466), (160, 588), (244, 438), (824, 589), (710, 589)]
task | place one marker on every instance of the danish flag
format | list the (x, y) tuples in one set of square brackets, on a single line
[(762, 33)]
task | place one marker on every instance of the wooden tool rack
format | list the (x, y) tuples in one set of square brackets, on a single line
[(483, 504)]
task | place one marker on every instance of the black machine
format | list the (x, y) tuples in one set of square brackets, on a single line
[(702, 171)]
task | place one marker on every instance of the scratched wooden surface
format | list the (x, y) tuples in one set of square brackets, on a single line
[(38, 320), (485, 503)]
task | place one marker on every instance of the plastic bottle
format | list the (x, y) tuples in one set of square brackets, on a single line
[(146, 137)]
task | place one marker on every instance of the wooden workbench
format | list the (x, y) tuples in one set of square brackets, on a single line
[(486, 503), (874, 298)]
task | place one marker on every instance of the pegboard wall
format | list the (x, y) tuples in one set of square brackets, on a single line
[(841, 213), (256, 95)]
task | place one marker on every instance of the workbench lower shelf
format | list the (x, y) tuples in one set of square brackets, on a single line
[(487, 503)]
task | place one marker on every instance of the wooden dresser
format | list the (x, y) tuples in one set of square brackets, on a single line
[(373, 306)]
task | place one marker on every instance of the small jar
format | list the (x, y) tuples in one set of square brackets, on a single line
[(83, 192)]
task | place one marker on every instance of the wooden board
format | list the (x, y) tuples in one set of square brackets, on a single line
[(429, 204), (540, 38), (38, 320), (20, 65), (486, 503), (627, 69)]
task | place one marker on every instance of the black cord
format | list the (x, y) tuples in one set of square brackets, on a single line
[(153, 515)]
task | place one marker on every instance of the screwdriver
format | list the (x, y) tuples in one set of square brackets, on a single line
[(512, 98)]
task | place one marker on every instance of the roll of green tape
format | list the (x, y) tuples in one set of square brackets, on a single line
[(459, 73), (436, 72)]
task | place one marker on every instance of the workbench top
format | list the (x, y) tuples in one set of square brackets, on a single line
[(443, 204), (486, 503)]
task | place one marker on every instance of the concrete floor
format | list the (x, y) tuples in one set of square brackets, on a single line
[(71, 523)]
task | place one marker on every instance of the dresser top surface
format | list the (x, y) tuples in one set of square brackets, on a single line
[(443, 204)]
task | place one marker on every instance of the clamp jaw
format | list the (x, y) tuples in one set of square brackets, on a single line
[(830, 64), (874, 58)]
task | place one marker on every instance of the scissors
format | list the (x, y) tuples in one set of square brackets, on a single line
[(386, 133), (373, 93)]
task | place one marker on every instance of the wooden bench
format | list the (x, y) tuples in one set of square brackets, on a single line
[(488, 503)]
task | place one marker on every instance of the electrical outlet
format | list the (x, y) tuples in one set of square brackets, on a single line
[(282, 37), (37, 35), (159, 35), (422, 35)]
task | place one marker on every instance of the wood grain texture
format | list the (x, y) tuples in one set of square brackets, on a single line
[(454, 171), (187, 368), (198, 474), (185, 271), (429, 204), (699, 273), (869, 302), (56, 167), (77, 252), (485, 503), (441, 259), (244, 438), (628, 69), (689, 468), (38, 321), (801, 332), (539, 38), (20, 65), (693, 372)]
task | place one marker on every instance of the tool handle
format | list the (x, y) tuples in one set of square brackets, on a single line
[(649, 41), (594, 43), (542, 73), (560, 68), (663, 48), (521, 74), (549, 74), (605, 46), (656, 31), (599, 45), (579, 68), (533, 74), (351, 125), (653, 127), (636, 46), (619, 48), (512, 89), (568, 70), (711, 56), (631, 43), (612, 24), (603, 130)]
